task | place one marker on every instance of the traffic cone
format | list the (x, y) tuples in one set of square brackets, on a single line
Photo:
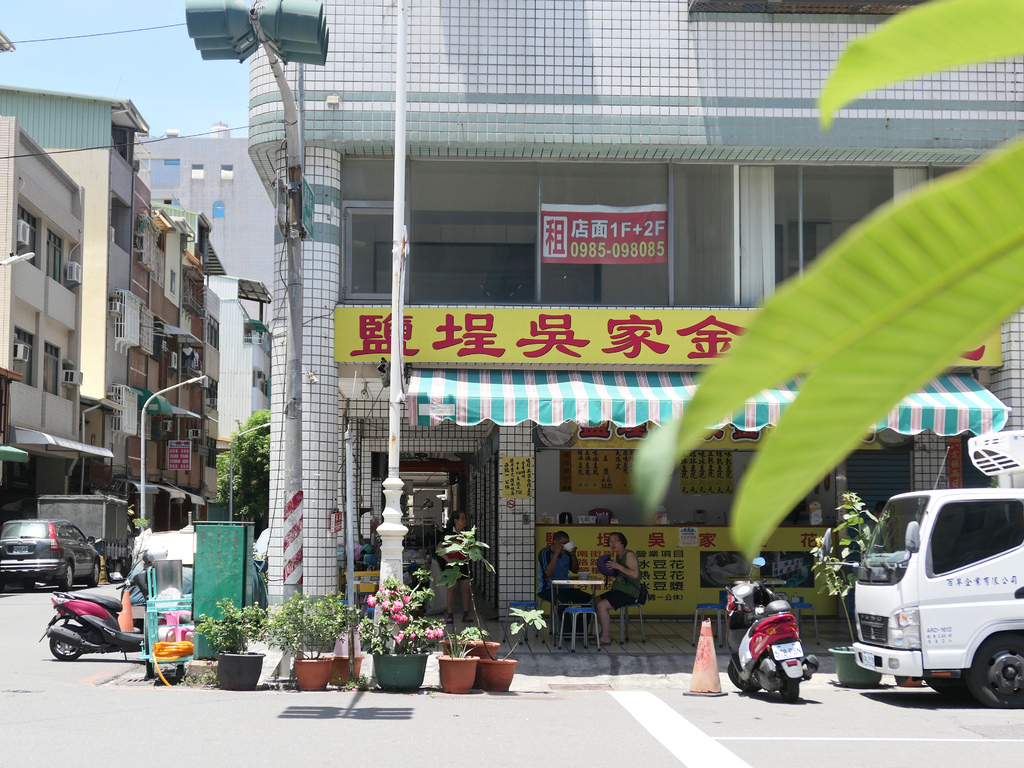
[(705, 666), (124, 618)]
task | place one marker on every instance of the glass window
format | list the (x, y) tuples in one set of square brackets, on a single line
[(369, 233), (815, 205), (703, 235), (227, 172), (197, 172), (51, 368), (173, 283), (54, 255), (474, 232), (371, 180), (605, 184), (971, 531), (23, 344), (218, 210), (33, 224), (213, 333)]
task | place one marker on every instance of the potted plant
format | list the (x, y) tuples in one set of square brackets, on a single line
[(838, 577), (493, 673), (457, 667), (308, 628), (398, 637), (229, 637)]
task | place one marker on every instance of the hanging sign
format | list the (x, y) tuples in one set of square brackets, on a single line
[(601, 234), (179, 455), (517, 477)]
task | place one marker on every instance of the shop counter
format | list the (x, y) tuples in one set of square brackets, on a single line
[(690, 564)]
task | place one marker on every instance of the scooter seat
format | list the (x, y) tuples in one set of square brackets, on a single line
[(777, 606), (109, 603)]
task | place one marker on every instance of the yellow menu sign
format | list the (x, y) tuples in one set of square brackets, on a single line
[(706, 472), (517, 477), (596, 471)]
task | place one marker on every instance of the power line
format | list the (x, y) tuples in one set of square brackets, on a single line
[(109, 146), (96, 34)]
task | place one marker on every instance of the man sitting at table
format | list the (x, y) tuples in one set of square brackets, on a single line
[(554, 563)]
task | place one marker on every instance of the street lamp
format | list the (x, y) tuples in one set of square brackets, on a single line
[(231, 470), (15, 257), (145, 412)]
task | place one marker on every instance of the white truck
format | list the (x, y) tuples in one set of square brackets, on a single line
[(940, 588), (103, 518)]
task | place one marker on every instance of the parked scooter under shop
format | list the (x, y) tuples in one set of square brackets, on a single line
[(764, 641)]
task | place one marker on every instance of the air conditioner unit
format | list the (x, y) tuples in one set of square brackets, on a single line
[(172, 360), (72, 378), (114, 305), (73, 273), (166, 426), (194, 434), (211, 403), (138, 242), (24, 232), (163, 346), (22, 352)]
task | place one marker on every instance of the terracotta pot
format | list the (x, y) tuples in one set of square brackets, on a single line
[(477, 648), (313, 674), (339, 666), (457, 674), (497, 675)]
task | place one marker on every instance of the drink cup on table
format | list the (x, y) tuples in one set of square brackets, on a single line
[(584, 575)]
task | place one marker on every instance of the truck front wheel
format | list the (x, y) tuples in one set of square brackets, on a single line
[(996, 678)]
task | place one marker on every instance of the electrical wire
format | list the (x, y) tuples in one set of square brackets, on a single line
[(110, 146), (95, 34)]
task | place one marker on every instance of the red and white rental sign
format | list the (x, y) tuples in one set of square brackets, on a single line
[(601, 234), (179, 455)]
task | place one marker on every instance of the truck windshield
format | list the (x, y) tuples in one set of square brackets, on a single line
[(889, 536)]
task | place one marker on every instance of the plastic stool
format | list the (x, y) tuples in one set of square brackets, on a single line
[(624, 623), (576, 612), (528, 605), (703, 608), (799, 605)]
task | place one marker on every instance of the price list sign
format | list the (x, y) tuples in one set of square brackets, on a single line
[(706, 472), (179, 455), (601, 234), (517, 477), (601, 471)]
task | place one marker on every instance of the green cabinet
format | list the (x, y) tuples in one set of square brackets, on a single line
[(223, 569)]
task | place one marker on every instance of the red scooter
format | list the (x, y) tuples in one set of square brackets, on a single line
[(764, 642), (87, 623)]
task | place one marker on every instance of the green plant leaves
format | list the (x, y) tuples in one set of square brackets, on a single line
[(885, 310), (932, 37)]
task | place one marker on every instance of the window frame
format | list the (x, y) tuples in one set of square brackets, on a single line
[(51, 368), (54, 264), (374, 208)]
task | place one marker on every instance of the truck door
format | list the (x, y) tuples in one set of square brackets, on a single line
[(973, 568)]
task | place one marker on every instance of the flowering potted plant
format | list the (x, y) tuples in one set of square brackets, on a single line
[(229, 637), (493, 673), (308, 628), (398, 637)]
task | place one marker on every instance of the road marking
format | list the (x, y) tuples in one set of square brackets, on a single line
[(91, 679), (896, 739), (690, 745)]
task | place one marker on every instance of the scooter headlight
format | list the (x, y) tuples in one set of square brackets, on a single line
[(905, 629)]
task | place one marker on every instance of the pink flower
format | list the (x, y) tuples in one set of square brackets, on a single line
[(405, 599), (371, 601), (399, 637)]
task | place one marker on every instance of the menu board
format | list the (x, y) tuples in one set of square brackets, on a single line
[(517, 477), (706, 472), (596, 471)]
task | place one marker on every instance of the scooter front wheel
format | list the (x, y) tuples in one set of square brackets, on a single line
[(748, 686), (63, 651), (789, 688)]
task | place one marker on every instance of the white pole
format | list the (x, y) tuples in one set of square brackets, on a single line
[(142, 467), (391, 530)]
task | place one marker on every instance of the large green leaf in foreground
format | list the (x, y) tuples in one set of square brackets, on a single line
[(937, 35), (887, 308)]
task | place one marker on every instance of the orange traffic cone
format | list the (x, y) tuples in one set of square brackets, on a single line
[(124, 618), (705, 666)]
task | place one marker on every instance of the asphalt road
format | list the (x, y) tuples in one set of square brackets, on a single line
[(52, 713)]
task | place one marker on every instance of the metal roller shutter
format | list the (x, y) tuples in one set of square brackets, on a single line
[(877, 475)]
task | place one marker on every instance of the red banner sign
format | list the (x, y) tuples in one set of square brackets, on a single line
[(600, 234), (179, 455)]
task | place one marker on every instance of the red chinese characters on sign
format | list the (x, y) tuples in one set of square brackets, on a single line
[(638, 432), (707, 540), (375, 335), (602, 431), (477, 335), (629, 336), (599, 234), (656, 540), (955, 462), (808, 539), (711, 337), (550, 332)]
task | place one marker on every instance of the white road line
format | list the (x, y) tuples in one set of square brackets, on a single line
[(896, 739), (690, 745)]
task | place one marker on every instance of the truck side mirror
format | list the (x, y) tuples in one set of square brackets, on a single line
[(912, 539)]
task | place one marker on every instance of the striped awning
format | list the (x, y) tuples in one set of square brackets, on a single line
[(949, 405)]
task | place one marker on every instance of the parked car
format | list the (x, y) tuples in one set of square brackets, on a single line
[(51, 551)]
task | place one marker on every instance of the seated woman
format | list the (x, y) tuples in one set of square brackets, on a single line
[(626, 587)]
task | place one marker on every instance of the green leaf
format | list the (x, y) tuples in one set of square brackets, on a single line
[(872, 320), (938, 35), (655, 463)]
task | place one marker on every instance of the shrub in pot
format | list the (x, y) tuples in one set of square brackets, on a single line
[(838, 577), (399, 636), (229, 637), (308, 628)]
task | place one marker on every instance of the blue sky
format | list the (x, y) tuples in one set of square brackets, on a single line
[(160, 70)]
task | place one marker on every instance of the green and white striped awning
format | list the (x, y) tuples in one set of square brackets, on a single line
[(948, 405)]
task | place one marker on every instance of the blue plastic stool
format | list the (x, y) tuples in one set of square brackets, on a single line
[(799, 605), (528, 605), (576, 612), (703, 608)]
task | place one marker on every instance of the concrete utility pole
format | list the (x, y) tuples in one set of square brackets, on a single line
[(145, 413), (391, 530)]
